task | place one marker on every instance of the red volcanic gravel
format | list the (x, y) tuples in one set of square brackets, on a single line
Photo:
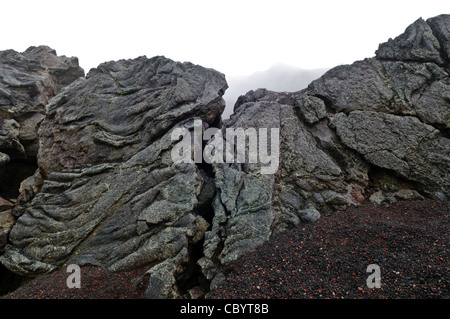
[(409, 241), (96, 283), (326, 259)]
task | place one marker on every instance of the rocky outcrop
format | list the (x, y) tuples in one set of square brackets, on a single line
[(411, 149), (417, 44), (109, 193), (376, 126), (112, 196), (401, 120), (27, 81)]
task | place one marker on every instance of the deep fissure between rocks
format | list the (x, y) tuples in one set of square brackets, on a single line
[(12, 175), (193, 276), (9, 281)]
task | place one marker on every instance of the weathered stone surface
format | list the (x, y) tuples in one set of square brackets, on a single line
[(377, 197), (108, 193), (403, 144), (417, 43), (432, 106), (6, 221), (384, 116), (27, 81), (162, 283), (311, 109), (309, 215), (251, 206), (388, 87), (440, 28), (9, 139), (112, 196), (407, 194), (359, 86), (5, 204), (126, 105)]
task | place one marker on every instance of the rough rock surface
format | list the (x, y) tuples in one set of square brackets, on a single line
[(412, 149), (108, 193), (251, 206), (6, 221), (112, 196), (386, 117), (27, 81), (417, 43)]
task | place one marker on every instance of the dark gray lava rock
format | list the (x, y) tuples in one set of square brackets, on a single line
[(27, 81), (417, 43), (388, 114), (112, 195), (108, 193)]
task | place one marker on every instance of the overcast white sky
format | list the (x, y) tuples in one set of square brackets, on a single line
[(235, 37)]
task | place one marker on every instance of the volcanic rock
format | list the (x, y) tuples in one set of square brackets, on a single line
[(112, 196), (417, 43), (108, 193), (382, 116), (27, 81)]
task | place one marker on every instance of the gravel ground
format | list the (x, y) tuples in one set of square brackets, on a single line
[(327, 259), (96, 283), (409, 241)]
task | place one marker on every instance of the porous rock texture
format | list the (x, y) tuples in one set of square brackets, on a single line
[(108, 193)]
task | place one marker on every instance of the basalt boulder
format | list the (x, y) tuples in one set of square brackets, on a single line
[(377, 128), (27, 82), (112, 196)]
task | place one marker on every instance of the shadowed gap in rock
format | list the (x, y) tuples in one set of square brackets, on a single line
[(12, 174), (389, 181), (193, 277), (9, 281)]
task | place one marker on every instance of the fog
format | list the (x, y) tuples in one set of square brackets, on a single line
[(279, 77), (234, 37)]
